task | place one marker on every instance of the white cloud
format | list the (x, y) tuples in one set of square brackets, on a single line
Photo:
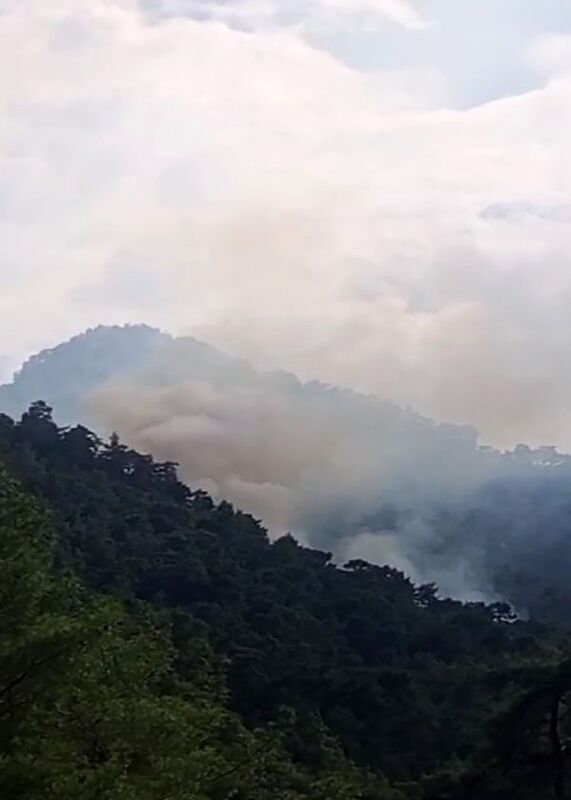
[(252, 188), (255, 12), (550, 54), (398, 11)]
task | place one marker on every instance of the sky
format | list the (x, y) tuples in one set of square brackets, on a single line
[(375, 193)]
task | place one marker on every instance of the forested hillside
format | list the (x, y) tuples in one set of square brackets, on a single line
[(351, 474), (155, 644), (92, 705)]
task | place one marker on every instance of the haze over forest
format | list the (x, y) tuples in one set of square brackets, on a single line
[(348, 473), (367, 194), (285, 405)]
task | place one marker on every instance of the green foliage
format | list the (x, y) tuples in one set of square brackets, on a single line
[(335, 677), (91, 708)]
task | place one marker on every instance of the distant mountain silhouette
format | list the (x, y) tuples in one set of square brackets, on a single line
[(64, 375)]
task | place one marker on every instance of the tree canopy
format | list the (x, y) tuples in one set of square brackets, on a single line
[(156, 644)]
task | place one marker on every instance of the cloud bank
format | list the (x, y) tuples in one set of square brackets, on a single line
[(303, 185)]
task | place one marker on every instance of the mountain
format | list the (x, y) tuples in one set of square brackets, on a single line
[(154, 644), (347, 473), (64, 375)]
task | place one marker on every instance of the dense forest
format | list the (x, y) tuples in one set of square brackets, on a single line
[(157, 645), (353, 475)]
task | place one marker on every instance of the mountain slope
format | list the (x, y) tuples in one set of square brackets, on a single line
[(64, 375), (408, 683), (92, 706), (397, 674), (351, 474)]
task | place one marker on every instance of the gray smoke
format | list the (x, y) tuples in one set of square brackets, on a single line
[(343, 471)]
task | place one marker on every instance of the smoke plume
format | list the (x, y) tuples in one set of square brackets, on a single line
[(343, 471)]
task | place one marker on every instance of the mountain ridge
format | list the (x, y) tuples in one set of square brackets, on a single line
[(347, 473)]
